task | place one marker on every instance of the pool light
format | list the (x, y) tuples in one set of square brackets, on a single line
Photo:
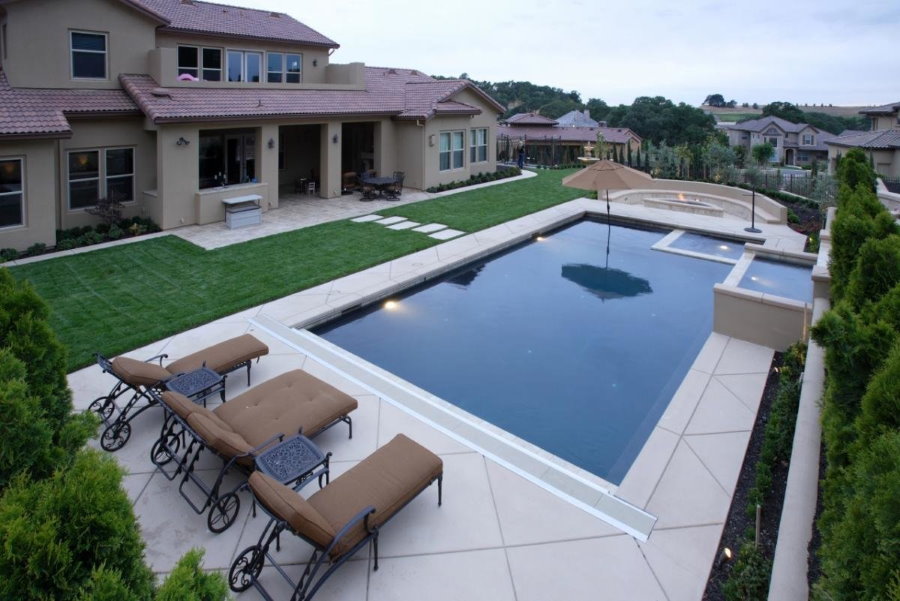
[(390, 305), (723, 247), (539, 238)]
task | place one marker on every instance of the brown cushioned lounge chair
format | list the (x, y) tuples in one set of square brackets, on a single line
[(339, 519), (239, 430), (140, 376)]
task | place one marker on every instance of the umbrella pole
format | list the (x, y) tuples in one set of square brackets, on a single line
[(607, 205)]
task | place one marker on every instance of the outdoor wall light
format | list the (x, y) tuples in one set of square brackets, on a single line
[(334, 139), (431, 140), (271, 143), (315, 62), (182, 142)]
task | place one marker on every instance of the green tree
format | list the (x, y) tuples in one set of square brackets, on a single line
[(762, 153), (714, 100), (597, 108), (785, 110), (188, 582)]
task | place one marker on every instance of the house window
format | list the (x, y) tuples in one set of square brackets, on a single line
[(202, 63), (802, 158), (478, 145), (773, 142), (808, 140), (88, 55), (244, 66), (282, 67), (452, 150), (88, 181), (3, 39), (12, 193)]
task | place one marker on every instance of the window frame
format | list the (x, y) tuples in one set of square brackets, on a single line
[(451, 151), (21, 193), (201, 69), (812, 140), (102, 176), (476, 149), (104, 52), (284, 74), (245, 54)]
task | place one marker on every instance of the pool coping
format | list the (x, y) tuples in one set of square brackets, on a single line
[(624, 506)]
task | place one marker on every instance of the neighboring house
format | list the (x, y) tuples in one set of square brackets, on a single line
[(794, 143), (161, 101), (578, 119), (881, 144), (548, 142)]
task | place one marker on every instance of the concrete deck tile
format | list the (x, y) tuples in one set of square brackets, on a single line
[(747, 387), (394, 420), (285, 307), (681, 559), (519, 501), (711, 353), (720, 411), (348, 582), (742, 357), (644, 474), (610, 568), (446, 234), (423, 527), (688, 494), (366, 218), (430, 227), (365, 433), (338, 381), (135, 455), (276, 346), (479, 574), (240, 317), (723, 454), (684, 402), (404, 225), (390, 220), (134, 485)]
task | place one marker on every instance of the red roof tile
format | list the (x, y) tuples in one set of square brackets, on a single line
[(38, 112), (221, 19), (530, 119), (616, 135)]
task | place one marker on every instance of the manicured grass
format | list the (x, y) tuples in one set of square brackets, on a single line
[(120, 298), (478, 209)]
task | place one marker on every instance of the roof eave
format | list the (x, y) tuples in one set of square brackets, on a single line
[(212, 34), (162, 120), (60, 135)]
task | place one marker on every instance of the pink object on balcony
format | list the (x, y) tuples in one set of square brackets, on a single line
[(187, 77)]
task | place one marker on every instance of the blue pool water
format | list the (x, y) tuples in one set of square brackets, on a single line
[(779, 278), (709, 245), (570, 348)]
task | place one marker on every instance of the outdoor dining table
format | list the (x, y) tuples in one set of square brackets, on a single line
[(380, 183)]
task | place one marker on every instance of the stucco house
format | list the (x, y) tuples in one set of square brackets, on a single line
[(547, 141), (161, 101), (794, 143), (882, 143)]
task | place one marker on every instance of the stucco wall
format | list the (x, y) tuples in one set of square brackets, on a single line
[(411, 152), (108, 133), (40, 193), (38, 44)]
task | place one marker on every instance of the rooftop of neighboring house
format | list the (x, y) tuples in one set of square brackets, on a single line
[(577, 119), (885, 109), (193, 16), (886, 139), (403, 94), (760, 125), (616, 135), (520, 119)]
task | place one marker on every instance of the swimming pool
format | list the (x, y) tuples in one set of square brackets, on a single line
[(575, 343), (779, 278)]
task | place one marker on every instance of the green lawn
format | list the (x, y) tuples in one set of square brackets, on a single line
[(120, 298)]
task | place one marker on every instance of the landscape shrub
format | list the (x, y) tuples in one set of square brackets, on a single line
[(106, 585), (478, 178), (188, 582), (38, 248), (8, 254), (749, 578), (57, 531)]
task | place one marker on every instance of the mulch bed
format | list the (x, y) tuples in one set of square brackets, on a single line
[(739, 524)]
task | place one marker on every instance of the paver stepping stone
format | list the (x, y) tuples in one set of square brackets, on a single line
[(366, 218), (446, 234), (391, 220), (403, 225), (430, 227)]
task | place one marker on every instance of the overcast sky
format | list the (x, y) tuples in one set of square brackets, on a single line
[(801, 51)]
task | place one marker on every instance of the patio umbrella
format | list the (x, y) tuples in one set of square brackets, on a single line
[(607, 175), (606, 282)]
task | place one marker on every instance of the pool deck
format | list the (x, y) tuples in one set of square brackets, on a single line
[(502, 532)]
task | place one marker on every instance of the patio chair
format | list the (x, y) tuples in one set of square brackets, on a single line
[(368, 191), (240, 430), (139, 377), (394, 190), (339, 519)]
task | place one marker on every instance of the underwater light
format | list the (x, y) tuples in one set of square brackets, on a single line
[(539, 238), (391, 305), (723, 246)]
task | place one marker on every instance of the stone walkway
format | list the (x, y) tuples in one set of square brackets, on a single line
[(438, 231)]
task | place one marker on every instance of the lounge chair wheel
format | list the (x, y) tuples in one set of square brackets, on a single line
[(245, 569), (223, 512), (102, 407), (161, 455), (115, 437)]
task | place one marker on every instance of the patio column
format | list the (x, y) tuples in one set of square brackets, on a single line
[(330, 160), (268, 163), (385, 160), (177, 179)]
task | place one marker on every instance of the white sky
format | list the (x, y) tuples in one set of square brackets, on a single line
[(802, 51)]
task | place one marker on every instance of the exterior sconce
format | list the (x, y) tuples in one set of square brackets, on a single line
[(315, 62), (271, 143), (431, 140), (182, 142), (334, 139)]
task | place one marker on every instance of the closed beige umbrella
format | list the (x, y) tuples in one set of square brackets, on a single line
[(607, 175)]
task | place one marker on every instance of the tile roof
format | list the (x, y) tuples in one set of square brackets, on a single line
[(193, 16), (577, 119), (875, 140), (26, 112), (885, 109), (401, 93), (616, 135), (758, 125), (530, 119)]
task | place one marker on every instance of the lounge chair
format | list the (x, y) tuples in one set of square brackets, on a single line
[(239, 430), (139, 377), (339, 519)]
